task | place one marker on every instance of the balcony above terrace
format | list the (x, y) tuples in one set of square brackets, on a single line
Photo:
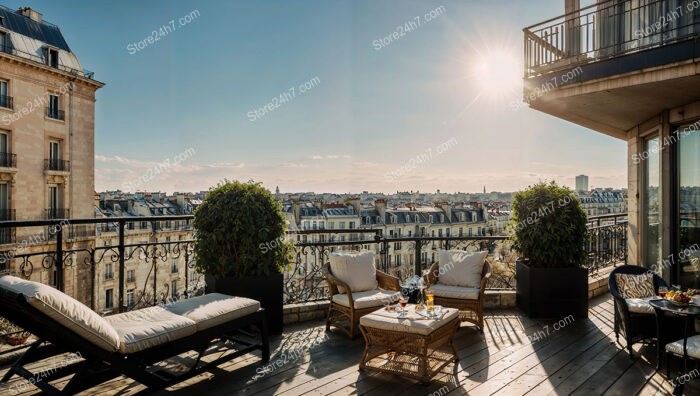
[(614, 65)]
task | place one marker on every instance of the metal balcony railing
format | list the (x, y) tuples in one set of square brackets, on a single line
[(53, 164), (56, 213), (56, 114), (8, 160), (6, 102), (605, 30)]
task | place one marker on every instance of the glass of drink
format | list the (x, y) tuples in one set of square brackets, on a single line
[(403, 301), (430, 302), (662, 291)]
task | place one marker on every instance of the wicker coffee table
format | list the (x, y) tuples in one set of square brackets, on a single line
[(416, 347)]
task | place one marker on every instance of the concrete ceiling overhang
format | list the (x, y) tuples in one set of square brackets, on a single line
[(612, 108)]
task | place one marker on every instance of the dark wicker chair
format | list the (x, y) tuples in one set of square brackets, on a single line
[(634, 327)]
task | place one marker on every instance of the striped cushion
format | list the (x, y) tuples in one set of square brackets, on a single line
[(635, 286)]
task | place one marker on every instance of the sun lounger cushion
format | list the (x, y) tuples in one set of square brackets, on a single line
[(65, 310), (213, 309), (148, 327)]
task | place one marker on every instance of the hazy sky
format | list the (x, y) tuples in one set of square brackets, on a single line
[(376, 104)]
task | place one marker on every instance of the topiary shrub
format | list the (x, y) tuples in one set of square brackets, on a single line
[(549, 227), (234, 229)]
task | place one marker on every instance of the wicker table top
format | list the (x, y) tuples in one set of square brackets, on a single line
[(414, 322)]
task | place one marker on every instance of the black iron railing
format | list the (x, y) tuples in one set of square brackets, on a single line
[(60, 165), (56, 114), (8, 160), (57, 213), (608, 241), (7, 235), (6, 101), (606, 30), (399, 256)]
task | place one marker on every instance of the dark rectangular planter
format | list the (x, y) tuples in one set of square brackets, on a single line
[(266, 289), (551, 292)]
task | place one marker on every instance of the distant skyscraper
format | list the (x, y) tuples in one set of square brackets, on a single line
[(581, 183), (484, 189)]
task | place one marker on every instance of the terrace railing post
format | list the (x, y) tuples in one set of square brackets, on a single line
[(187, 273), (59, 258), (120, 249), (93, 279), (417, 264)]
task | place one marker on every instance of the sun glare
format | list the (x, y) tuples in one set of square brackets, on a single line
[(498, 75)]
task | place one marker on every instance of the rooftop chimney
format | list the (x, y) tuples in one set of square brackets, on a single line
[(30, 13), (380, 206)]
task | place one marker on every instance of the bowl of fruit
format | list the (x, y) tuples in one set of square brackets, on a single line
[(681, 298)]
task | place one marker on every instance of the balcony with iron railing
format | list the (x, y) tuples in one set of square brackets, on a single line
[(612, 29), (614, 64), (8, 160), (56, 165), (6, 101), (55, 114)]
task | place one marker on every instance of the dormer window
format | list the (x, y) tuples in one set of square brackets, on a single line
[(51, 57), (417, 219), (430, 218), (408, 218)]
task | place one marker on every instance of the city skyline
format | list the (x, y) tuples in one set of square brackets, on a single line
[(372, 106)]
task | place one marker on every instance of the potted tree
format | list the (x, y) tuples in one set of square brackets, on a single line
[(549, 232), (240, 245)]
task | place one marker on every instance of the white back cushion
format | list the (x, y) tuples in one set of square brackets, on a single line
[(65, 310), (355, 269), (460, 268)]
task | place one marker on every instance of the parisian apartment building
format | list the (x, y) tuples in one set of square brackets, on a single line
[(47, 134)]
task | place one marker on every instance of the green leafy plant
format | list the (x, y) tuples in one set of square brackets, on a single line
[(239, 232), (549, 227)]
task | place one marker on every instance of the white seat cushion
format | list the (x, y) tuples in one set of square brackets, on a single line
[(368, 299), (461, 268), (414, 324), (213, 309), (65, 310), (640, 305), (149, 327), (462, 293), (355, 269), (693, 347)]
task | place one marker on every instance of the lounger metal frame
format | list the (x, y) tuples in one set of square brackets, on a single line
[(99, 365)]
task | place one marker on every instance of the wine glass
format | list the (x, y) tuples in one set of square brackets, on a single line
[(662, 291), (403, 301), (430, 302)]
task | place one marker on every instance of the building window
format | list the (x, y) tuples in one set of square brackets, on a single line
[(5, 99), (54, 154), (173, 288), (54, 109), (109, 274), (352, 225), (131, 276), (6, 157), (109, 299), (52, 57), (173, 267), (5, 44), (130, 298)]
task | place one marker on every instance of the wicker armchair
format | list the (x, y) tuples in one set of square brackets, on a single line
[(346, 317), (470, 310), (635, 326)]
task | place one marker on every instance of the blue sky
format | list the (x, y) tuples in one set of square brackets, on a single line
[(369, 113)]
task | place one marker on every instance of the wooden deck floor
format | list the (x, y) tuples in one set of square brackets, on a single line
[(582, 358)]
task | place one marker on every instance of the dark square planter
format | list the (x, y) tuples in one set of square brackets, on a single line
[(266, 289), (551, 292)]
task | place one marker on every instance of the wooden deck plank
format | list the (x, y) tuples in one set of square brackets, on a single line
[(581, 358)]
